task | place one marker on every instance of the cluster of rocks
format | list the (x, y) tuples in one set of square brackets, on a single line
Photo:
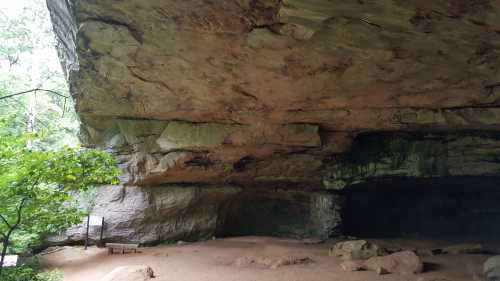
[(273, 262), (358, 255), (363, 255)]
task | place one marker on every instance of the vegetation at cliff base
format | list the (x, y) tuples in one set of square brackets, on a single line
[(42, 166)]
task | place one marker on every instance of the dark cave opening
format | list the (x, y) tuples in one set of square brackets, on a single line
[(292, 213), (266, 213), (446, 207)]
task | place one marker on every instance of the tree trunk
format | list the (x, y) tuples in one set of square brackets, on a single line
[(5, 245), (12, 228)]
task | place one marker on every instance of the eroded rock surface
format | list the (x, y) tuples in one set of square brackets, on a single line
[(263, 93)]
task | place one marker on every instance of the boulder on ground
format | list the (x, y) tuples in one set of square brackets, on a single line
[(356, 250), (491, 268), (130, 273), (404, 263)]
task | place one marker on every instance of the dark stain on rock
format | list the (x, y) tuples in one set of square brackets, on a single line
[(242, 164), (199, 161)]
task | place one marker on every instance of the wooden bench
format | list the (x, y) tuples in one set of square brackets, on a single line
[(121, 247)]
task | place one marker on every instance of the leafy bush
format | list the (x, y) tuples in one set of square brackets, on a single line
[(20, 273), (30, 273), (36, 188), (53, 275)]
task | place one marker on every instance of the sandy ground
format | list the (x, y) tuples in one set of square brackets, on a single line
[(215, 261)]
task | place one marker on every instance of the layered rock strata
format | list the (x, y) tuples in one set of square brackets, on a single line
[(241, 97)]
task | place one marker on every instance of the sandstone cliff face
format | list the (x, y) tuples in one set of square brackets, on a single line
[(273, 93)]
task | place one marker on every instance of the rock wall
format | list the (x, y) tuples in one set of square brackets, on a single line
[(167, 213), (414, 155), (287, 94)]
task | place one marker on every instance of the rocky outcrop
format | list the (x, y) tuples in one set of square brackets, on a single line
[(150, 215), (167, 213), (295, 93)]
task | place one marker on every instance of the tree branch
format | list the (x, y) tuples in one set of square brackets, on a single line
[(5, 221), (19, 213), (33, 90)]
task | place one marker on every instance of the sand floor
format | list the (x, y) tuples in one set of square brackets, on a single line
[(215, 261)]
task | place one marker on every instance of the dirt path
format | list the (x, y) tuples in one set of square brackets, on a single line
[(215, 261)]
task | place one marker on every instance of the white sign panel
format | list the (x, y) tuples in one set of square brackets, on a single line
[(95, 221), (10, 261)]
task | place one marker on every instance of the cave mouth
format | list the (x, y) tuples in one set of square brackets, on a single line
[(266, 214), (432, 208), (295, 213)]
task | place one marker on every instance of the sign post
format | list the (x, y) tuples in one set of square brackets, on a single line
[(93, 221), (87, 232), (102, 230)]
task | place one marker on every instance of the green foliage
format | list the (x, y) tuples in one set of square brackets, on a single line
[(36, 186), (30, 273), (20, 273), (86, 199), (37, 181), (53, 275), (28, 60)]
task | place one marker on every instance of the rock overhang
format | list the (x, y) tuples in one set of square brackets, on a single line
[(267, 79), (307, 95)]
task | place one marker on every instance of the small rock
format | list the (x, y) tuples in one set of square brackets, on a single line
[(244, 261), (130, 273), (404, 263), (381, 271), (352, 265), (355, 250), (290, 261), (296, 31), (463, 249)]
